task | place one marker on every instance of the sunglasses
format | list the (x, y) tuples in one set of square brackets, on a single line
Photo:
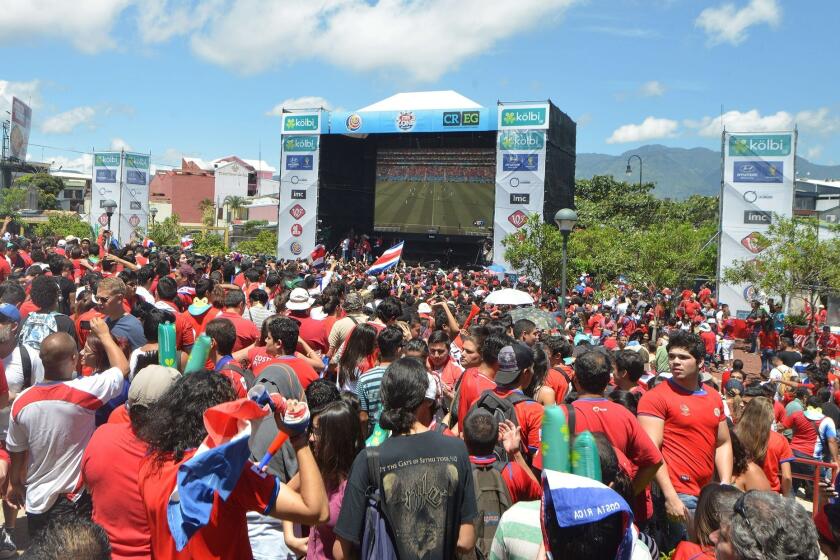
[(740, 509)]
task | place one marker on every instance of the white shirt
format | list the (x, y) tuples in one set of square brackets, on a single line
[(144, 294), (54, 421), (14, 377)]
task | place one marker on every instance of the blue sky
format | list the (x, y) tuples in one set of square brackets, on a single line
[(202, 78)]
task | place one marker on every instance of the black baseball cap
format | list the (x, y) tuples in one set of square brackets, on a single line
[(512, 360)]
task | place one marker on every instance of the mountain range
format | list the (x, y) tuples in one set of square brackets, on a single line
[(678, 172)]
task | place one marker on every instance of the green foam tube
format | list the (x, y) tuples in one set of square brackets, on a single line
[(555, 440), (379, 435), (198, 356), (585, 460), (167, 353)]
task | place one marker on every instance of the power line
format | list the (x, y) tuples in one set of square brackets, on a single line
[(158, 163)]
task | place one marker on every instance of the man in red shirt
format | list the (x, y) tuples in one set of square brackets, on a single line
[(476, 380), (246, 331), (281, 340), (111, 467), (709, 341), (313, 331), (595, 413), (686, 420), (514, 374)]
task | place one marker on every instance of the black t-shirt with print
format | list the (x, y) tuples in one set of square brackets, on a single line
[(427, 488)]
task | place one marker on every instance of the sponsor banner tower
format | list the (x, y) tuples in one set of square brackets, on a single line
[(299, 149), (757, 185), (124, 178), (520, 169)]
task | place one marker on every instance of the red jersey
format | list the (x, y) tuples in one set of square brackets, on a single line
[(260, 360), (768, 340), (313, 332), (558, 382), (246, 331), (110, 467), (778, 452), (119, 415), (620, 427), (26, 308), (197, 323), (225, 537), (689, 439), (449, 374), (529, 415), (687, 550), (473, 383), (5, 269), (710, 340), (521, 487)]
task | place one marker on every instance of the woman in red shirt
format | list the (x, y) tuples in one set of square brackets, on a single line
[(714, 504), (768, 448)]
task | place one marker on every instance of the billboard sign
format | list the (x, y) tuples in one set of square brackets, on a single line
[(105, 185), (758, 184), (301, 123), (19, 133), (411, 120), (134, 197)]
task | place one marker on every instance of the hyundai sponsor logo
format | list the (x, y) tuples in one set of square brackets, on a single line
[(520, 162), (758, 171), (106, 175)]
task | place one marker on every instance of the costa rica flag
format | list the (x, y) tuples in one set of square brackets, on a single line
[(389, 259)]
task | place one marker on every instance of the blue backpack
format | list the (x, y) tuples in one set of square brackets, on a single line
[(36, 328), (377, 543)]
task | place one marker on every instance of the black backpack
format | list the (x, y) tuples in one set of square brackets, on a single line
[(377, 541), (502, 408), (492, 499)]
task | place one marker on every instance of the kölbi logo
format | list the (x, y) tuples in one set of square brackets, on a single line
[(531, 116), (300, 122), (300, 143), (530, 140), (760, 145)]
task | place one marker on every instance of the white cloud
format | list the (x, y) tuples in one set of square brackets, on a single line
[(65, 122), (83, 163), (118, 144), (652, 88), (306, 102), (28, 92), (819, 121), (421, 39), (813, 152), (728, 24), (86, 24), (650, 129)]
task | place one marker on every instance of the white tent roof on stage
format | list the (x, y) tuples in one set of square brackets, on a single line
[(423, 100)]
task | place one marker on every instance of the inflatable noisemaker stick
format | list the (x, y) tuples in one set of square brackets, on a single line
[(473, 312), (166, 345), (555, 440), (585, 460), (299, 419), (198, 356)]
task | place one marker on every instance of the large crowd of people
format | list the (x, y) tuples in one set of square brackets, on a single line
[(430, 412)]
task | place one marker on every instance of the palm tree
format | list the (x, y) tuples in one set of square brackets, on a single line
[(235, 204)]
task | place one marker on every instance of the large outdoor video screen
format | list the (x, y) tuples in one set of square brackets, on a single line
[(445, 191)]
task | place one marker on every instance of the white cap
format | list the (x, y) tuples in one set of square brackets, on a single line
[(424, 308)]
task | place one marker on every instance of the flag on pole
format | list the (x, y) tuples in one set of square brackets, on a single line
[(389, 259), (148, 242), (318, 255), (186, 242)]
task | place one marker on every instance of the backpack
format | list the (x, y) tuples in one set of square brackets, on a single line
[(25, 366), (36, 328), (493, 499), (502, 408), (377, 542), (245, 374)]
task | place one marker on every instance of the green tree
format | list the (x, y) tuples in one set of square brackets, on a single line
[(166, 232), (264, 244), (235, 205), (64, 224), (536, 250), (208, 212), (12, 200), (207, 243), (795, 262), (48, 188), (602, 200), (673, 253)]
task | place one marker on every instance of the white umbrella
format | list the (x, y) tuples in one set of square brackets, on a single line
[(509, 296)]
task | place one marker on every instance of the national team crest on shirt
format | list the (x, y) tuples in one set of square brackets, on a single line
[(717, 412), (685, 410)]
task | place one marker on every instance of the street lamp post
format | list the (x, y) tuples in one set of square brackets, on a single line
[(109, 206), (565, 220), (629, 170), (153, 212)]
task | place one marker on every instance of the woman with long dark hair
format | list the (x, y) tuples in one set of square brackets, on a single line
[(360, 345), (174, 429), (538, 389)]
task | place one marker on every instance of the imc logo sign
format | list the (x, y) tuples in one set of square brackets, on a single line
[(300, 123), (300, 143), (760, 145), (461, 118), (531, 116), (758, 217), (522, 140)]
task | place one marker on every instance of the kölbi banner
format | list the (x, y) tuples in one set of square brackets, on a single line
[(124, 178), (520, 169), (757, 186)]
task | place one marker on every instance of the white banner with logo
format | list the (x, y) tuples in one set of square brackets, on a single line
[(520, 169), (105, 185), (134, 197), (299, 148), (19, 133), (758, 184)]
